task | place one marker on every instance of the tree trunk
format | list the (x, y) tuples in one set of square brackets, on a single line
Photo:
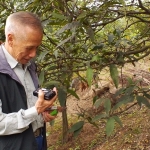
[(65, 127)]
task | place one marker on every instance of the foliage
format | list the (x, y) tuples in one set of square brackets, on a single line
[(83, 37)]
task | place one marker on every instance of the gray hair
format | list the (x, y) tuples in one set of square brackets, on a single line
[(22, 18)]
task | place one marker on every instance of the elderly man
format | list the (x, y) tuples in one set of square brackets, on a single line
[(22, 115)]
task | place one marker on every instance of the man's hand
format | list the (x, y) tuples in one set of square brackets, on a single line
[(42, 104), (47, 117)]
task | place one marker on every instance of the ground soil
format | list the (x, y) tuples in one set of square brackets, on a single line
[(133, 135)]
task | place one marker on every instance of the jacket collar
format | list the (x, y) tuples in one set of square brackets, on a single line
[(5, 67)]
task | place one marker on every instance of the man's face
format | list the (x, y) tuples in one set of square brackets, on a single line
[(24, 47)]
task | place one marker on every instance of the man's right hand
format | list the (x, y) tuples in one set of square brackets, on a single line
[(42, 104)]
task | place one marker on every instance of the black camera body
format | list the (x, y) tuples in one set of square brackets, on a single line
[(48, 93)]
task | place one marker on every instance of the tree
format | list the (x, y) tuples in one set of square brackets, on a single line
[(87, 36)]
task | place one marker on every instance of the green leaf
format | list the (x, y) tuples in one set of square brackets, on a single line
[(58, 16), (96, 58), (120, 91), (89, 75), (50, 67), (110, 38), (90, 32), (110, 126), (62, 96), (98, 47), (56, 53), (129, 90), (90, 120), (107, 105), (68, 26), (76, 133), (117, 32), (120, 57), (98, 102), (65, 40), (98, 117), (82, 15), (41, 78), (118, 120), (76, 126), (57, 22), (117, 105), (52, 83), (147, 95), (73, 93), (114, 74), (95, 98), (130, 81), (142, 100), (42, 55), (123, 100)]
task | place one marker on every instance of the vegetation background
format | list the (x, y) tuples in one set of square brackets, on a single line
[(89, 40)]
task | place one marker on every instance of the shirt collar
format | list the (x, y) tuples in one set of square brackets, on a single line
[(11, 60)]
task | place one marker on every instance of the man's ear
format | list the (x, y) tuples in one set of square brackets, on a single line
[(10, 39)]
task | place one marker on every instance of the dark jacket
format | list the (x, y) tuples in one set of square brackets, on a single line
[(13, 97)]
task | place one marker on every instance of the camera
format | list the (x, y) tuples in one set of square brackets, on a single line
[(48, 93)]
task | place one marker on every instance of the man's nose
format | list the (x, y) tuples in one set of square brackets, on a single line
[(32, 53)]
